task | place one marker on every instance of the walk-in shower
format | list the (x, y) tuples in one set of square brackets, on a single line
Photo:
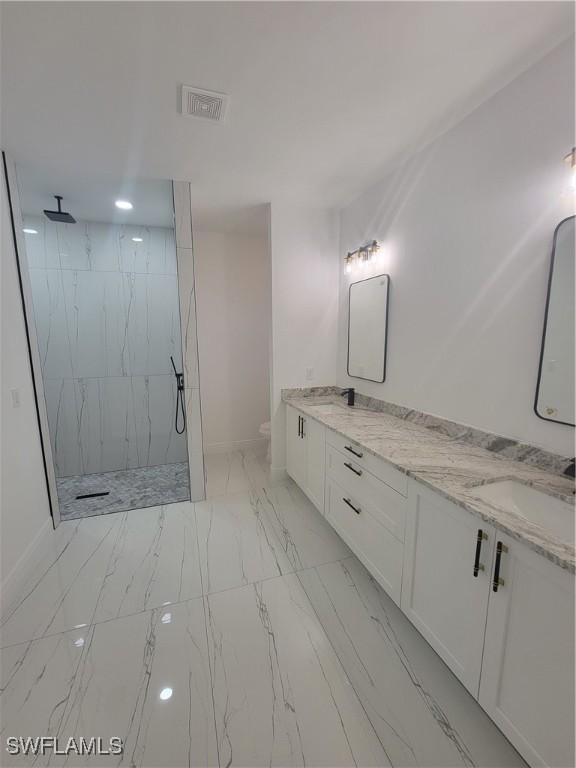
[(106, 310)]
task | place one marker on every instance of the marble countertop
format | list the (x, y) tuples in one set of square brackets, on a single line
[(450, 467)]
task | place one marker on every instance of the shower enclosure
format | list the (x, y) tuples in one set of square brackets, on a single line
[(105, 301)]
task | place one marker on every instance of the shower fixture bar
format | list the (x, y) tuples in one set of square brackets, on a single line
[(60, 215)]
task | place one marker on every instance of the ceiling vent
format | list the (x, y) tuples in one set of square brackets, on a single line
[(209, 105)]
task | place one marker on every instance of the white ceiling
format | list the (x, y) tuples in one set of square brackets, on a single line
[(323, 96), (91, 198)]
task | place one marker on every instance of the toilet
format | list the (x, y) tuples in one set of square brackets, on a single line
[(266, 430)]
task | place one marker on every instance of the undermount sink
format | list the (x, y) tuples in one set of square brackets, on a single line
[(550, 513), (326, 408)]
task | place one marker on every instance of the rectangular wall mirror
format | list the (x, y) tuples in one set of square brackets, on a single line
[(367, 328), (555, 389)]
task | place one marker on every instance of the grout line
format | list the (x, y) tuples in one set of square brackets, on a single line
[(102, 271), (337, 655), (176, 602), (204, 609)]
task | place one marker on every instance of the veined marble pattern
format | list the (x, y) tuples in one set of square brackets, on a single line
[(105, 567), (281, 697), (305, 536), (110, 680), (113, 423), (127, 489), (108, 321), (100, 247), (119, 631), (503, 446), (435, 721), (235, 471), (237, 543), (451, 468)]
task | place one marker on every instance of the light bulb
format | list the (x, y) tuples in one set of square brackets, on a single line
[(348, 267), (137, 240), (30, 231), (124, 205), (165, 694)]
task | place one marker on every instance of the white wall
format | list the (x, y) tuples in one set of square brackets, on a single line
[(233, 310), (467, 230), (304, 247), (24, 509)]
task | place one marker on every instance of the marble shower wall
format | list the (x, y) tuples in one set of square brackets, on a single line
[(107, 317), (186, 285)]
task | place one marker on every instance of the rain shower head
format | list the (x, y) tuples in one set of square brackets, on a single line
[(60, 215)]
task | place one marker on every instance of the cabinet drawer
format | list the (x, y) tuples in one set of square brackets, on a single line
[(386, 473), (370, 541), (389, 507)]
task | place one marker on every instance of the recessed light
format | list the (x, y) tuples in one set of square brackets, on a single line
[(29, 231), (124, 205), (165, 694), (137, 240)]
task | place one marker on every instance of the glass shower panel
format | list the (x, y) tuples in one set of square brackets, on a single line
[(106, 309)]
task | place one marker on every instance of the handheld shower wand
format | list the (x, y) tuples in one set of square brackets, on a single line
[(179, 399)]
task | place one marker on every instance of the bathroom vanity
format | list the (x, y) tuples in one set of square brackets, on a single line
[(476, 550)]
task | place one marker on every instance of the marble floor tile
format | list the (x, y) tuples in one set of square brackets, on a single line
[(280, 694), (143, 678), (127, 489), (63, 588), (101, 568), (293, 656), (36, 680), (420, 711), (237, 543), (154, 561), (225, 474), (306, 537), (236, 471)]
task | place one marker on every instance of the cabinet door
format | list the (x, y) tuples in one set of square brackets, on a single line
[(440, 594), (315, 440), (527, 684), (295, 447)]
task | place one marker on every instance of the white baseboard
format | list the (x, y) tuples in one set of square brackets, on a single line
[(14, 580), (237, 445)]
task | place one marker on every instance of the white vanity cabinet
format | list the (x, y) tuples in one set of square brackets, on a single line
[(499, 614), (511, 646), (527, 683), (441, 595), (295, 447), (305, 455), (366, 509)]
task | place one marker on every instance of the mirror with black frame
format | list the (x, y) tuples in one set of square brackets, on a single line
[(367, 328), (555, 388)]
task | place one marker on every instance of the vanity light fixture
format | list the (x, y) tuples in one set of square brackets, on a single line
[(124, 205), (571, 160), (361, 256)]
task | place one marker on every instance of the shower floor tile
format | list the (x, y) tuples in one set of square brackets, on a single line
[(127, 489)]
